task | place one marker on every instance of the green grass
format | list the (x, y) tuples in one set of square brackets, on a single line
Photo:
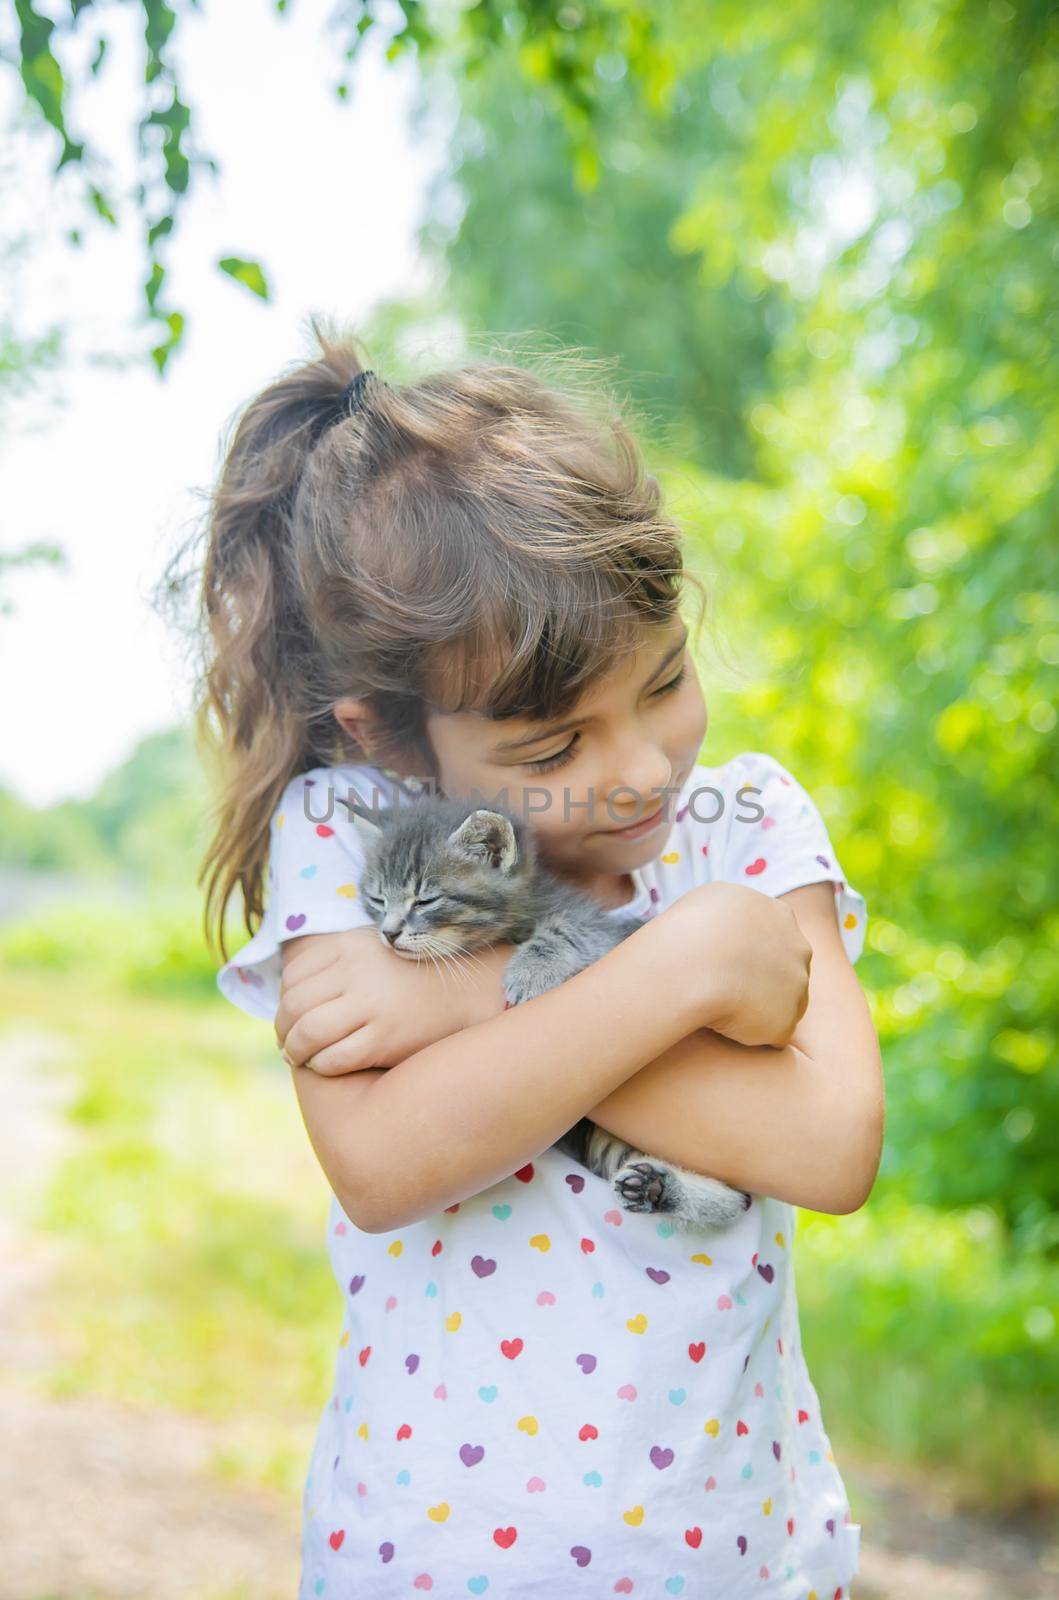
[(194, 1216), (193, 1213)]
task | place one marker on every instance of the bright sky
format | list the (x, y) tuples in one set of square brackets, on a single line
[(104, 460)]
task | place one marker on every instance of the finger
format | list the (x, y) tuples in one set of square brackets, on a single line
[(323, 1026), (295, 999), (309, 953), (352, 1054)]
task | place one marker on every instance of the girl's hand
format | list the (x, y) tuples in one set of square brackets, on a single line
[(741, 960), (348, 1003)]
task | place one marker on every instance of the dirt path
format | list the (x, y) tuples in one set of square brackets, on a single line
[(917, 1548), (102, 1502)]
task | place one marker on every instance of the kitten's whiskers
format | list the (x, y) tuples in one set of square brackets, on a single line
[(457, 962)]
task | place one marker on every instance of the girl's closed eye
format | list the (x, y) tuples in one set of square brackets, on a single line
[(550, 763)]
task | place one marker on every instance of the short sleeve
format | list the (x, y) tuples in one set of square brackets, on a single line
[(316, 855), (777, 840)]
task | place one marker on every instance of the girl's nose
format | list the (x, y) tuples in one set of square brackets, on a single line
[(637, 793)]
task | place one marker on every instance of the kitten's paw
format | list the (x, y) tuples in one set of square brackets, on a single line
[(644, 1186), (686, 1198), (521, 986), (536, 967)]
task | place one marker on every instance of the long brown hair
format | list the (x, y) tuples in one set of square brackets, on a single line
[(485, 536)]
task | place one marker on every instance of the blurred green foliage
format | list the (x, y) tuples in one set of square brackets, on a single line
[(141, 948), (146, 820), (932, 1344)]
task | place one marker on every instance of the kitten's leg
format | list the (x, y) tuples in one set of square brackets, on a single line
[(540, 964), (569, 936), (643, 1183), (560, 947), (687, 1198)]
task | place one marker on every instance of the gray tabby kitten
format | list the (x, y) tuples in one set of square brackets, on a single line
[(441, 880)]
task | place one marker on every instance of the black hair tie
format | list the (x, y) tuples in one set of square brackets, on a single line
[(352, 397)]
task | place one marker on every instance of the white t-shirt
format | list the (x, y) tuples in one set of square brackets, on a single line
[(537, 1393)]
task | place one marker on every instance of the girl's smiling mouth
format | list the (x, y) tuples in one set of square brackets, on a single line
[(647, 824), (635, 829)]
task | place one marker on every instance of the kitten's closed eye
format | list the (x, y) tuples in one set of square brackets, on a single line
[(421, 900)]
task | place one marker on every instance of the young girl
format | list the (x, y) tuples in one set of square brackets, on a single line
[(468, 583)]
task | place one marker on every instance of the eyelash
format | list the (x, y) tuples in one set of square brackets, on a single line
[(550, 763)]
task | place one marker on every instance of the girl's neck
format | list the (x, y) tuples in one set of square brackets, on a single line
[(608, 892), (625, 891)]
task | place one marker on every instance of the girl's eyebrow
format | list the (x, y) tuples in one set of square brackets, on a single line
[(573, 722)]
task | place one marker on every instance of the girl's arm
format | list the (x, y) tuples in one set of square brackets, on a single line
[(470, 1109), (803, 1123), (401, 1143)]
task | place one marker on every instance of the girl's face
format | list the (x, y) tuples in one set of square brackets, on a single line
[(579, 780)]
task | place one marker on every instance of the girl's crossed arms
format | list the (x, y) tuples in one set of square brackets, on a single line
[(753, 1061)]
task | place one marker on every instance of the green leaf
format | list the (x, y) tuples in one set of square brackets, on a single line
[(159, 229), (152, 287), (41, 72), (101, 205), (248, 273), (174, 321)]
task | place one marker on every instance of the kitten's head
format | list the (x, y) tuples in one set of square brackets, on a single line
[(441, 877)]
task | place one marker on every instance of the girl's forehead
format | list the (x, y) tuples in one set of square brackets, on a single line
[(633, 661)]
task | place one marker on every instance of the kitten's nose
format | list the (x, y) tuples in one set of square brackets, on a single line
[(393, 934)]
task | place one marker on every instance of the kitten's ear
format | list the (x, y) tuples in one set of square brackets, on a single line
[(488, 837)]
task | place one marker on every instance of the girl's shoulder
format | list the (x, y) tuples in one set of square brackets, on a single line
[(314, 790), (748, 768), (315, 856), (749, 820)]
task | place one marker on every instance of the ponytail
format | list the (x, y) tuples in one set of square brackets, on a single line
[(256, 723)]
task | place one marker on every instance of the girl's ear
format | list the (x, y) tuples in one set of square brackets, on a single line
[(357, 719), (488, 837)]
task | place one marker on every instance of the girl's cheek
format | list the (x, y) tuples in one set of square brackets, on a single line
[(565, 814), (692, 716)]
